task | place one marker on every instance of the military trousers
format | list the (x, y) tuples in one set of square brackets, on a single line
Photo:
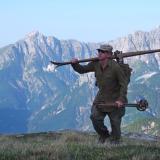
[(115, 117)]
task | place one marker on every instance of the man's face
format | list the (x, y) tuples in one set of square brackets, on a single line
[(103, 54)]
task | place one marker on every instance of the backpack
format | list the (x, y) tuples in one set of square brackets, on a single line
[(127, 71)]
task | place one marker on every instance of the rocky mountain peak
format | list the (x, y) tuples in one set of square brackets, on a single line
[(34, 34), (28, 81)]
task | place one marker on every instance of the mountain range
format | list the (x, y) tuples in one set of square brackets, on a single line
[(36, 97)]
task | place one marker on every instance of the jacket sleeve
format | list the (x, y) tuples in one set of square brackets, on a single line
[(123, 83), (83, 68)]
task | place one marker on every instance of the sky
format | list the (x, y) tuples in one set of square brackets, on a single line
[(83, 20)]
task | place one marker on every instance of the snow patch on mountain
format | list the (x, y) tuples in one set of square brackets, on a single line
[(146, 76), (49, 68), (83, 79)]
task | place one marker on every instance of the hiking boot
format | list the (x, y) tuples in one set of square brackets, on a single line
[(102, 139)]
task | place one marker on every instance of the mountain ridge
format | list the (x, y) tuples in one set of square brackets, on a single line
[(53, 100)]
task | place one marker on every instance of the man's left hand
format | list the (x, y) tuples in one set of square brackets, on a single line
[(119, 104)]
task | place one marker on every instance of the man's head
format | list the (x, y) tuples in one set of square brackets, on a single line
[(105, 51)]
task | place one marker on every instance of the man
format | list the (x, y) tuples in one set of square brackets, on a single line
[(112, 84)]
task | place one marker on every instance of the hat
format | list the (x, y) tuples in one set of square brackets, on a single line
[(105, 47)]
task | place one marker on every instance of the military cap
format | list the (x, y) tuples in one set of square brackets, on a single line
[(105, 47)]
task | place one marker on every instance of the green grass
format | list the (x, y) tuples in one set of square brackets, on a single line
[(137, 125), (73, 146)]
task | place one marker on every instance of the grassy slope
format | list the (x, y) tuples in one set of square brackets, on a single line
[(71, 145), (144, 125)]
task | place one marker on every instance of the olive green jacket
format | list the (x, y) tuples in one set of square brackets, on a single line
[(111, 80)]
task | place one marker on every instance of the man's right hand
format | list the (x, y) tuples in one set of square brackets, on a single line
[(74, 61)]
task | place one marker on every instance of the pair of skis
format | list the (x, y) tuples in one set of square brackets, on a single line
[(118, 55)]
